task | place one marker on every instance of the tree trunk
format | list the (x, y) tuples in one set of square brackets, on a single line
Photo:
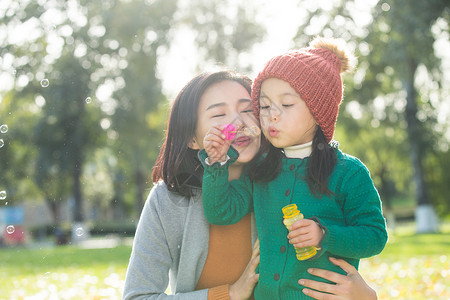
[(387, 192), (426, 220), (78, 209), (80, 231), (54, 209), (140, 183), (117, 203)]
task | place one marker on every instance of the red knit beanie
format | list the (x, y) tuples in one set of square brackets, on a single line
[(314, 73)]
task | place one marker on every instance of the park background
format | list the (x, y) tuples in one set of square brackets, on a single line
[(85, 87)]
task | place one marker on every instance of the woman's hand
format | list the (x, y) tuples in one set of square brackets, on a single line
[(243, 287), (216, 146), (349, 287)]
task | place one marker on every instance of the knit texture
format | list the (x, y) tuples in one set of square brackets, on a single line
[(221, 292), (355, 227), (314, 73)]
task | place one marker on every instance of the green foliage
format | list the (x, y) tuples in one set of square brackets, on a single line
[(224, 29), (20, 115), (387, 116), (109, 51), (438, 177)]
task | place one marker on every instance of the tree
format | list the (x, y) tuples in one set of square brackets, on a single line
[(140, 103), (396, 41), (20, 115), (223, 31), (410, 45), (108, 51), (65, 133)]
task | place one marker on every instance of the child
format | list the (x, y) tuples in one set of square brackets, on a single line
[(296, 97)]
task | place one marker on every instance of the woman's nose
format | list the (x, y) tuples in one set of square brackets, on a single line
[(238, 123)]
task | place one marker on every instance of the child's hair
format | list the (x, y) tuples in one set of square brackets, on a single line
[(177, 164), (315, 74)]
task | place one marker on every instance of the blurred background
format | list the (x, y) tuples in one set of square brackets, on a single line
[(85, 88)]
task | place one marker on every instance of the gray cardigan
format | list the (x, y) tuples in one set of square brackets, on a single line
[(170, 247)]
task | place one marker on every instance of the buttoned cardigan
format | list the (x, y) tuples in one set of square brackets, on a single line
[(352, 217)]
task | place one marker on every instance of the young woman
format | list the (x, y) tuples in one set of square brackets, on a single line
[(174, 245)]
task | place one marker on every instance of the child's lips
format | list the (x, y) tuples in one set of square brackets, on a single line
[(273, 132)]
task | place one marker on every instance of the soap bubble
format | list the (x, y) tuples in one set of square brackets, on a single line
[(10, 229), (79, 231), (2, 195), (2, 143), (88, 100), (45, 82), (4, 128)]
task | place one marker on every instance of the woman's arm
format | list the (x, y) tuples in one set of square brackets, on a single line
[(348, 287), (148, 270)]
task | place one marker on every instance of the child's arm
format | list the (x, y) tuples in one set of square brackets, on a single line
[(224, 202), (364, 233)]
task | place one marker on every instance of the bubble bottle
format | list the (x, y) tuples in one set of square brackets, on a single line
[(291, 215)]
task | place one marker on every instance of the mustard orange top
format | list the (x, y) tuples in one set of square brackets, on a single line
[(230, 250)]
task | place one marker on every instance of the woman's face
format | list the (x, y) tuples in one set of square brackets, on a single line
[(227, 102)]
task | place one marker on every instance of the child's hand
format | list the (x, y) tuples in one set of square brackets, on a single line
[(216, 146), (305, 233)]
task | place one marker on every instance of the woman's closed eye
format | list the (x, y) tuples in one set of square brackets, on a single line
[(218, 115), (287, 105), (264, 107)]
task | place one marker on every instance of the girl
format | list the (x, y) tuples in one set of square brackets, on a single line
[(297, 97)]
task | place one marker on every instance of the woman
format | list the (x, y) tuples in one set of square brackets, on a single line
[(174, 244)]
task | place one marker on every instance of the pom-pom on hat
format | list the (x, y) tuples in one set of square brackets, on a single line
[(315, 74)]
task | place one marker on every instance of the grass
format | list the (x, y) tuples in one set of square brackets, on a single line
[(63, 273), (411, 267)]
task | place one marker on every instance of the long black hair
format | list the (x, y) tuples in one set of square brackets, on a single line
[(267, 164), (177, 164)]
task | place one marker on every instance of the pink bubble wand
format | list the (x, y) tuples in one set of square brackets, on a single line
[(230, 131)]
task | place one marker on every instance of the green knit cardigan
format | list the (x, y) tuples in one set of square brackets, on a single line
[(352, 218)]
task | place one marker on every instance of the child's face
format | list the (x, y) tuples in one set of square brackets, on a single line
[(285, 118), (228, 102)]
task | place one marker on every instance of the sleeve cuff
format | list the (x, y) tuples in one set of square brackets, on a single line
[(320, 249), (232, 156), (221, 292), (221, 162)]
